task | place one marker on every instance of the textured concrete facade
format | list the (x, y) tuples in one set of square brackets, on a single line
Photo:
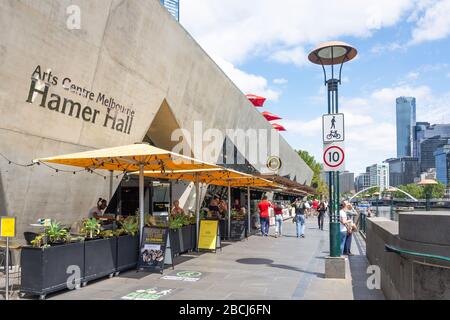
[(131, 53)]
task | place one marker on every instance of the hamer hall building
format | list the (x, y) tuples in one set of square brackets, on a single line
[(103, 74)]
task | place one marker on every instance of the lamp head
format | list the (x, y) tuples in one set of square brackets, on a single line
[(332, 52), (427, 182)]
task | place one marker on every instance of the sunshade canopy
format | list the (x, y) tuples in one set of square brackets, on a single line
[(256, 100), (218, 177), (130, 158), (270, 116)]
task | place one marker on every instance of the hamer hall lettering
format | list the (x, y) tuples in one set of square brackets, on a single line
[(111, 114)]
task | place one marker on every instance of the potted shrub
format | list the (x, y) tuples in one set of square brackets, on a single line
[(100, 251), (127, 244), (48, 263)]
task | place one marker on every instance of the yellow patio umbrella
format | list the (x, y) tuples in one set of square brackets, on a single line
[(215, 176), (131, 158)]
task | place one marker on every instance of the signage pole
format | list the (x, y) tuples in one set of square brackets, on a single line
[(248, 211), (197, 207), (141, 203), (229, 210), (335, 250), (111, 177), (7, 268)]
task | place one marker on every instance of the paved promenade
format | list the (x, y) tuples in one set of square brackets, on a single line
[(255, 269)]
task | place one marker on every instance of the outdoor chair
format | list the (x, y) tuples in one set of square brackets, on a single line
[(14, 271)]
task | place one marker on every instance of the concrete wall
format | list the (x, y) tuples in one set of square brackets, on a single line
[(132, 51), (405, 276)]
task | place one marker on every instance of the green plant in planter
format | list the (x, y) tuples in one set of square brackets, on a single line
[(56, 234), (176, 222), (106, 234), (91, 228), (40, 241), (130, 227)]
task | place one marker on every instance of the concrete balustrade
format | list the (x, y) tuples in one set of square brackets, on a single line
[(405, 276)]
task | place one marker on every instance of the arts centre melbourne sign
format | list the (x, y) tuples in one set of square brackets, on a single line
[(111, 114)]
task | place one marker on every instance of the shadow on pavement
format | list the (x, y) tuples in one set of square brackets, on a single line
[(270, 263)]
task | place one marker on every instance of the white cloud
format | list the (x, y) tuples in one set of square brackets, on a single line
[(413, 76), (236, 29), (434, 24), (246, 82), (280, 81), (295, 56), (381, 48)]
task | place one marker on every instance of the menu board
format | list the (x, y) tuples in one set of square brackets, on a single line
[(208, 235), (237, 231), (155, 251)]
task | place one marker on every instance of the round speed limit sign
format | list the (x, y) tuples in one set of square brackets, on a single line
[(333, 158)]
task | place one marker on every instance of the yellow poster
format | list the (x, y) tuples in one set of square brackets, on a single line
[(208, 234), (8, 227)]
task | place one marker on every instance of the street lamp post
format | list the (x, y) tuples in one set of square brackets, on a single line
[(331, 54), (428, 185)]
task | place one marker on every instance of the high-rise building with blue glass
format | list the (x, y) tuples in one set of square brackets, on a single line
[(442, 156), (173, 6), (406, 123)]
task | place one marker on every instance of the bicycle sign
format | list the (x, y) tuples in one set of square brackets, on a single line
[(333, 128), (333, 157)]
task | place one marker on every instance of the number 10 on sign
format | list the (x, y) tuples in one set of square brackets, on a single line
[(333, 157)]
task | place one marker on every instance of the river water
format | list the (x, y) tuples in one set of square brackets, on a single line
[(385, 212)]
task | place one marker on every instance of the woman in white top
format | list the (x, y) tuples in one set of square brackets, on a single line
[(97, 211), (343, 225)]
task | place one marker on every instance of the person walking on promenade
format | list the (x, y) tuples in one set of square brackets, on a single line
[(263, 207), (299, 219), (278, 209), (307, 207), (315, 206), (350, 229), (343, 225), (322, 210)]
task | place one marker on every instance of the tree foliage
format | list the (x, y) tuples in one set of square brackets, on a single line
[(419, 192), (322, 187)]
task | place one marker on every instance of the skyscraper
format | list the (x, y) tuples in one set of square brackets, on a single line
[(443, 164), (406, 123), (173, 6), (379, 175)]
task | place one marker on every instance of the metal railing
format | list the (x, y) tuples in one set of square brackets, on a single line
[(361, 223)]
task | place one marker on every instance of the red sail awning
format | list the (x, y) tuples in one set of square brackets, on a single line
[(270, 116), (256, 100), (278, 127)]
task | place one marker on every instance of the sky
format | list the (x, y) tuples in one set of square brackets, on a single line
[(403, 50)]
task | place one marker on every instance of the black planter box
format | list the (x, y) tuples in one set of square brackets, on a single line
[(194, 236), (127, 252), (100, 258), (174, 235), (44, 270), (223, 225), (186, 239), (237, 230)]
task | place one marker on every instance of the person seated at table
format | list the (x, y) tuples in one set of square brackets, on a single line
[(176, 208), (97, 212), (236, 205), (214, 207)]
